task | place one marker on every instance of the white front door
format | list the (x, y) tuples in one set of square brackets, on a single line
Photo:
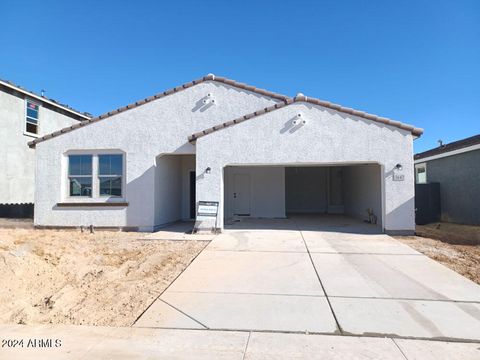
[(241, 194)]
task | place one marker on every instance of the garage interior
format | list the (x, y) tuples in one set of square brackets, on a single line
[(283, 191)]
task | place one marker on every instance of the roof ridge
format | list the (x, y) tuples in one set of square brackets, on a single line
[(53, 102), (452, 146), (302, 98), (209, 77)]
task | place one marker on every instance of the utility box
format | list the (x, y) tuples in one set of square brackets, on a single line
[(427, 203)]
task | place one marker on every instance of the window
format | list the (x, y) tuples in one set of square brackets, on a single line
[(110, 170), (421, 173), (31, 123), (80, 175)]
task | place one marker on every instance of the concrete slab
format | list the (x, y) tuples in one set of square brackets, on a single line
[(408, 318), (256, 312), (392, 276), (161, 313), (275, 241), (434, 350), (181, 230), (170, 344), (337, 242), (263, 346), (250, 272)]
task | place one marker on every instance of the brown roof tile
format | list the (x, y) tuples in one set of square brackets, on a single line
[(209, 77), (302, 98)]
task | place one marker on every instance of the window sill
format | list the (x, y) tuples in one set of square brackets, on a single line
[(31, 134), (92, 204)]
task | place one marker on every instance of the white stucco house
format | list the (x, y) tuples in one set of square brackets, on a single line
[(25, 115), (259, 154)]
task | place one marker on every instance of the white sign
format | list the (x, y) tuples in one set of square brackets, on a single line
[(207, 208), (398, 177), (206, 217)]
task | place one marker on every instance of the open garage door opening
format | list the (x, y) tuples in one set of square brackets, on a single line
[(282, 192)]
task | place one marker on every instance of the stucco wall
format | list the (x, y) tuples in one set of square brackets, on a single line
[(155, 128), (17, 160), (362, 191), (329, 137), (267, 190), (459, 178)]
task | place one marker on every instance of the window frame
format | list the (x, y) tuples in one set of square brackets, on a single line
[(25, 131), (96, 197), (79, 176), (121, 176), (421, 166)]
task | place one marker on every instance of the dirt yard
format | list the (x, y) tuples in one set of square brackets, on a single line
[(464, 259), (69, 277)]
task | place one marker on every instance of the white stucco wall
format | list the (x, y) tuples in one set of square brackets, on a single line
[(267, 190), (329, 137), (155, 128), (17, 160)]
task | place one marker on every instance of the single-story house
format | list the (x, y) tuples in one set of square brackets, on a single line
[(456, 168), (25, 115), (255, 152)]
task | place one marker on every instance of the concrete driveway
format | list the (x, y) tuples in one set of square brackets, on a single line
[(318, 275)]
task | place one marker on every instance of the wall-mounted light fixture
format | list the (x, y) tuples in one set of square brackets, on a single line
[(208, 170), (399, 167)]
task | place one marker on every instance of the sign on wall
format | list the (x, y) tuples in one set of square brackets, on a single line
[(206, 220)]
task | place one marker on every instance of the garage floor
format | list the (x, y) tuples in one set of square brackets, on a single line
[(330, 275)]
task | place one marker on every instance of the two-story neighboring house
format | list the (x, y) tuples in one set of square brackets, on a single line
[(25, 116)]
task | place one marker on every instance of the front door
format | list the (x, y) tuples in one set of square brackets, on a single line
[(241, 194)]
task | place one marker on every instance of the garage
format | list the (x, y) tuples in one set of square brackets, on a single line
[(353, 190)]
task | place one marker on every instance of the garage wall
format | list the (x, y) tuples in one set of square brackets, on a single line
[(362, 191), (306, 189), (267, 195)]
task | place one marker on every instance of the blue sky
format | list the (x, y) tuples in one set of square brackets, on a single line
[(415, 61)]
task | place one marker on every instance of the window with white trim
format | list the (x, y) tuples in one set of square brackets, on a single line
[(80, 175), (95, 175), (31, 117), (110, 173), (421, 173)]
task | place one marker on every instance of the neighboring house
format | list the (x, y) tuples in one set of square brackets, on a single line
[(456, 167), (257, 153), (23, 116)]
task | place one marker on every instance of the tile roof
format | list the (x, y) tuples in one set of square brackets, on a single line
[(456, 145), (52, 102), (209, 77), (302, 98)]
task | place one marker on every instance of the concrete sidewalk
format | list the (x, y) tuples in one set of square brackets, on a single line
[(89, 342)]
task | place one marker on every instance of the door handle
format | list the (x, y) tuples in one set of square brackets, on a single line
[(234, 195)]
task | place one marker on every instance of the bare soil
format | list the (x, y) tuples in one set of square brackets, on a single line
[(69, 277), (464, 259), (450, 233)]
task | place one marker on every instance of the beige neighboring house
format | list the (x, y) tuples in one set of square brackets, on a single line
[(25, 116)]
